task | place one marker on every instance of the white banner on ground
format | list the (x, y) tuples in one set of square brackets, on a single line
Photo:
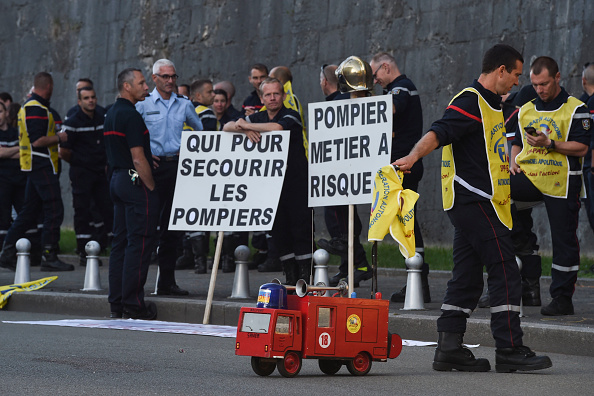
[(156, 326), (227, 183), (349, 140)]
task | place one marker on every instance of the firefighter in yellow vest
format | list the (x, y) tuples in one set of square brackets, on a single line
[(476, 196), (545, 163), (38, 146)]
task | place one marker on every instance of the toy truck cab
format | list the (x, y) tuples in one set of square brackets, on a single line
[(267, 335), (283, 330)]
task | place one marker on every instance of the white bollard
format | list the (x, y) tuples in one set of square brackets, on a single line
[(321, 258), (23, 267), (92, 280), (241, 282), (414, 289)]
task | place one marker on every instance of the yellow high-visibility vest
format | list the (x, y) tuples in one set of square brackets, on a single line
[(25, 148), (500, 196), (547, 170)]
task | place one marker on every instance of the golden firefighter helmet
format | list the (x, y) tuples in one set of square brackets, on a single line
[(354, 74)]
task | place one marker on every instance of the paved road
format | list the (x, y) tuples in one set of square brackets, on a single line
[(46, 360), (572, 334)]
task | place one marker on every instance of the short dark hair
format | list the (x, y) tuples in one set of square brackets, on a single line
[(126, 76), (260, 67), (87, 80), (3, 106), (545, 62), (197, 86), (4, 96), (221, 92), (84, 89), (501, 54), (42, 80), (184, 85)]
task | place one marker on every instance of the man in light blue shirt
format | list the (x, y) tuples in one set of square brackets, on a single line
[(164, 113)]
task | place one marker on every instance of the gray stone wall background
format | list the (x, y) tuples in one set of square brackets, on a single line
[(438, 44)]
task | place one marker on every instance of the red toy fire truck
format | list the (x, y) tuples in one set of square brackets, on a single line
[(282, 330)]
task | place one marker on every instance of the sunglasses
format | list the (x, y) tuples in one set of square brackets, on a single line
[(167, 76)]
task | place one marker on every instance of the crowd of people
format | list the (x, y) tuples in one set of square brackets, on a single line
[(124, 159)]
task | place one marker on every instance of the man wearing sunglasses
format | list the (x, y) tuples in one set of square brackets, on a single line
[(407, 128), (164, 113)]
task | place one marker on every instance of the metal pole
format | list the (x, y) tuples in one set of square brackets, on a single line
[(351, 255), (213, 277), (374, 266)]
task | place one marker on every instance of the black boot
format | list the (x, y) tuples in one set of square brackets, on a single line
[(271, 264), (400, 295), (451, 354), (531, 292), (35, 256), (186, 260), (8, 258), (228, 263), (197, 244), (519, 358), (291, 272), (51, 262), (304, 270), (228, 253), (559, 306)]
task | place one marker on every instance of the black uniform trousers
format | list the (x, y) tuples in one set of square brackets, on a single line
[(134, 229), (337, 223), (563, 221), (525, 243), (13, 195), (292, 230), (165, 176), (42, 195), (87, 187), (481, 240)]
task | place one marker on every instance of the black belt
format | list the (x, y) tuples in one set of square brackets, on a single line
[(167, 158)]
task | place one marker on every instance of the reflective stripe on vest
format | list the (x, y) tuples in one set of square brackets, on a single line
[(495, 142), (201, 109), (547, 170)]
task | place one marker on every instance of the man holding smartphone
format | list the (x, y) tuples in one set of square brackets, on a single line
[(546, 164)]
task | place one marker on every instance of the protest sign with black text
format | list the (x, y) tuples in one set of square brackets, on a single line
[(227, 183), (349, 140)]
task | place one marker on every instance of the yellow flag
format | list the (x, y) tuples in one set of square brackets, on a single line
[(393, 210), (6, 291)]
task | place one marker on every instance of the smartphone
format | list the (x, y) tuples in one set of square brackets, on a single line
[(531, 131)]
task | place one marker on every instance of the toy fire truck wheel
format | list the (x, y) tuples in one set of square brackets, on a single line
[(262, 367), (360, 365), (290, 365), (329, 367)]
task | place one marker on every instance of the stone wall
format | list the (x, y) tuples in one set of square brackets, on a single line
[(439, 44)]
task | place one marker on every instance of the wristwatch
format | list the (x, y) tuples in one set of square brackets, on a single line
[(551, 146)]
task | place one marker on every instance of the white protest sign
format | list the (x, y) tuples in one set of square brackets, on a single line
[(227, 183), (349, 140)]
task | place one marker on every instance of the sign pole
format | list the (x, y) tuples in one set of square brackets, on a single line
[(351, 256), (213, 277)]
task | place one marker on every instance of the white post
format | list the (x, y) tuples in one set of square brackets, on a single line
[(213, 278)]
